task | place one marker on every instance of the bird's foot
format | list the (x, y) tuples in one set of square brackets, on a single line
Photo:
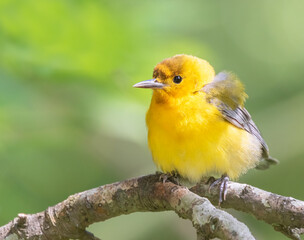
[(172, 177), (223, 181)]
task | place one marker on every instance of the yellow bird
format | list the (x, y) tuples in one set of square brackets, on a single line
[(197, 123)]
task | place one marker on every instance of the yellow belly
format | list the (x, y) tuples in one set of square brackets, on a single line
[(194, 140)]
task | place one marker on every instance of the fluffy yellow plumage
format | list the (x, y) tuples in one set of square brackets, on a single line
[(197, 125)]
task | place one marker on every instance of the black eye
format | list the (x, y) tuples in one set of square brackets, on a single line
[(177, 79)]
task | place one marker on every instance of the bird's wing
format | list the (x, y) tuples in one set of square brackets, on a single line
[(227, 93), (241, 118)]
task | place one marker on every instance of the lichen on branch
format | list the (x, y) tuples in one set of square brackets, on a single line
[(70, 218)]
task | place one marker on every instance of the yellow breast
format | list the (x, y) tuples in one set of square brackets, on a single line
[(189, 135)]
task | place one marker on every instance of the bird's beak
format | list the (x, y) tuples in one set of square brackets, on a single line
[(152, 83)]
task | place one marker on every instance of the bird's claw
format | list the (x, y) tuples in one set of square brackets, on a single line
[(223, 181), (165, 177)]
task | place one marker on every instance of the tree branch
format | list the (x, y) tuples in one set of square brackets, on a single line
[(285, 214), (69, 219)]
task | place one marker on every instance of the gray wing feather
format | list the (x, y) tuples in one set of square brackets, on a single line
[(241, 118), (227, 93)]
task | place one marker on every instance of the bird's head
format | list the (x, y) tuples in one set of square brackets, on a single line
[(179, 76)]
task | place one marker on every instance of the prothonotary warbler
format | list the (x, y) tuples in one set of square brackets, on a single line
[(197, 123)]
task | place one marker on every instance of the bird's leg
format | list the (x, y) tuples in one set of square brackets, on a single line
[(172, 177), (223, 180)]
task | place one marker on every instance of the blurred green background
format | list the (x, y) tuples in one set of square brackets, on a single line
[(70, 119)]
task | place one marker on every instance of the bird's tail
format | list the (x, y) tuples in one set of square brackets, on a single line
[(266, 162)]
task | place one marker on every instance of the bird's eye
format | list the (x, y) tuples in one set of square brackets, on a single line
[(177, 79)]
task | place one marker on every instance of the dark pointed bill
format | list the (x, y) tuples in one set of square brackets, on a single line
[(152, 83)]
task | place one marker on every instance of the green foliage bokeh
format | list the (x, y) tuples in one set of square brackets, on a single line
[(70, 119)]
